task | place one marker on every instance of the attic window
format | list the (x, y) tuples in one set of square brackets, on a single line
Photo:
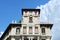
[(35, 12), (25, 11), (17, 30), (30, 11)]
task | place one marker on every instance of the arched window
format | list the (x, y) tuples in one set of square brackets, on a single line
[(17, 30), (43, 30)]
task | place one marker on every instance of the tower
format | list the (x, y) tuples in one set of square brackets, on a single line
[(30, 27), (30, 16)]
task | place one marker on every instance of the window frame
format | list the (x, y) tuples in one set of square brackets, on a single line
[(36, 28), (18, 30), (43, 31), (24, 27), (35, 12), (30, 19), (30, 32)]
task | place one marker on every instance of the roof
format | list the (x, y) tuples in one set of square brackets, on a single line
[(46, 24), (30, 9)]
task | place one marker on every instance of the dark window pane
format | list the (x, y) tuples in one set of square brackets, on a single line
[(36, 30), (35, 12), (25, 11), (24, 30), (30, 20), (43, 30), (30, 30)]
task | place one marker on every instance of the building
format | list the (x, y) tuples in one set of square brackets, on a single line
[(29, 28)]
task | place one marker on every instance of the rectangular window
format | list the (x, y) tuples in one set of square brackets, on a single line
[(18, 31), (30, 20), (30, 30), (24, 30), (43, 30), (36, 30)]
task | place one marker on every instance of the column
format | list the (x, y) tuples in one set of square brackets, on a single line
[(39, 30), (27, 30), (38, 38), (31, 38), (22, 38), (33, 30)]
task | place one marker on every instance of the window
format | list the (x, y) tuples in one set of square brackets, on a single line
[(30, 20), (43, 30), (30, 12), (25, 11), (17, 30), (30, 30), (35, 12), (36, 30), (24, 30), (43, 39)]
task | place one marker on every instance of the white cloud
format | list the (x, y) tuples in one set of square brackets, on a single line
[(50, 12), (1, 34)]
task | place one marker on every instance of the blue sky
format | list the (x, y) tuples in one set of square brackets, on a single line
[(11, 10), (50, 12)]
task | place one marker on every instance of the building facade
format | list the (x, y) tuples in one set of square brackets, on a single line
[(29, 28)]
